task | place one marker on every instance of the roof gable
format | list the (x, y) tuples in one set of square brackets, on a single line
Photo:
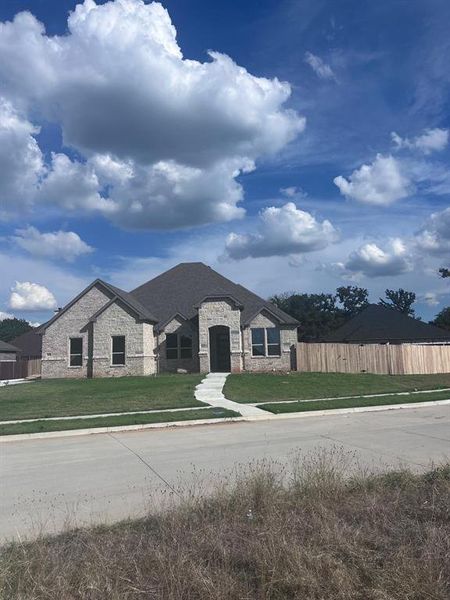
[(112, 292)]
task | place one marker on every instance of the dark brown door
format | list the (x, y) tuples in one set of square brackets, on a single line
[(219, 344)]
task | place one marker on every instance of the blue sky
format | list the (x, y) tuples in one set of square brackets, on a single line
[(309, 150)]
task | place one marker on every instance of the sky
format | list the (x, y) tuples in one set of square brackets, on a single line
[(292, 145)]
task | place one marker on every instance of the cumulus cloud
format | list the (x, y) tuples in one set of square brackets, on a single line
[(320, 68), (282, 231), (21, 160), (5, 315), (31, 296), (158, 127), (432, 140), (66, 245), (373, 261), (434, 236), (380, 183)]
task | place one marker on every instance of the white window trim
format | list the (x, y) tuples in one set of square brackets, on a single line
[(265, 345), (121, 365), (75, 337)]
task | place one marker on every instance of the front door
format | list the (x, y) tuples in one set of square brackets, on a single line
[(219, 347)]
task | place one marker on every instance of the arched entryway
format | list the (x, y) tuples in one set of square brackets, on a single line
[(219, 349)]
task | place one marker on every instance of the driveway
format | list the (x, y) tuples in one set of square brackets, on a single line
[(48, 484)]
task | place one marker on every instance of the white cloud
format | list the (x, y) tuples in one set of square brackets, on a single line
[(431, 299), (31, 296), (21, 161), (66, 245), (293, 192), (320, 68), (373, 261), (154, 127), (432, 140), (434, 236), (5, 315), (380, 183), (282, 231)]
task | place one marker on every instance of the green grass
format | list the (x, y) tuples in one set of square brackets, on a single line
[(268, 387), (280, 407), (67, 397), (137, 419)]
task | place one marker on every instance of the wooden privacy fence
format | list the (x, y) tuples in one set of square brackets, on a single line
[(397, 359), (21, 368)]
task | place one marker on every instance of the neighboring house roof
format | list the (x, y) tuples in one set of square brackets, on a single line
[(5, 347), (29, 343), (379, 324), (182, 288)]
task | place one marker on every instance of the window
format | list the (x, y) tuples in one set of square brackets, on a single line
[(185, 346), (266, 342), (76, 352), (118, 350), (178, 346), (171, 345), (258, 345), (273, 341)]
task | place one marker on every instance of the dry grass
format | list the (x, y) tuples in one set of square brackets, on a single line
[(306, 533)]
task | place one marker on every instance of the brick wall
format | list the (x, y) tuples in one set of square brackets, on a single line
[(139, 343), (219, 312), (55, 340), (288, 341)]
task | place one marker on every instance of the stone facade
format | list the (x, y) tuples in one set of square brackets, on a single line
[(145, 348), (219, 312), (288, 342), (139, 343), (72, 323), (97, 340)]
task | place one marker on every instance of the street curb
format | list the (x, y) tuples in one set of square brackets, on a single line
[(193, 422)]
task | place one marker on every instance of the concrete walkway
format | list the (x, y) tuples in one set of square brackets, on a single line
[(209, 390)]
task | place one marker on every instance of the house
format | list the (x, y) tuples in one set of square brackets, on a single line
[(378, 324), (29, 344), (189, 318), (8, 352)]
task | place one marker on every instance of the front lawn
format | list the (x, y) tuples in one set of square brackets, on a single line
[(313, 405), (66, 397), (268, 387), (119, 420)]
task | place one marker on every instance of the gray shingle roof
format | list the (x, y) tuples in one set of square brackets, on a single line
[(29, 343), (181, 288), (379, 324), (5, 347)]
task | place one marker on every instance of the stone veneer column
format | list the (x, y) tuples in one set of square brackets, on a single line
[(219, 312)]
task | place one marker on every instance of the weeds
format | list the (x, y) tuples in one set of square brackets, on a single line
[(268, 531)]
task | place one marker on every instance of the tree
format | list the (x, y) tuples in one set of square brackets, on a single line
[(443, 319), (444, 272), (400, 300), (11, 328), (353, 299), (317, 313)]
